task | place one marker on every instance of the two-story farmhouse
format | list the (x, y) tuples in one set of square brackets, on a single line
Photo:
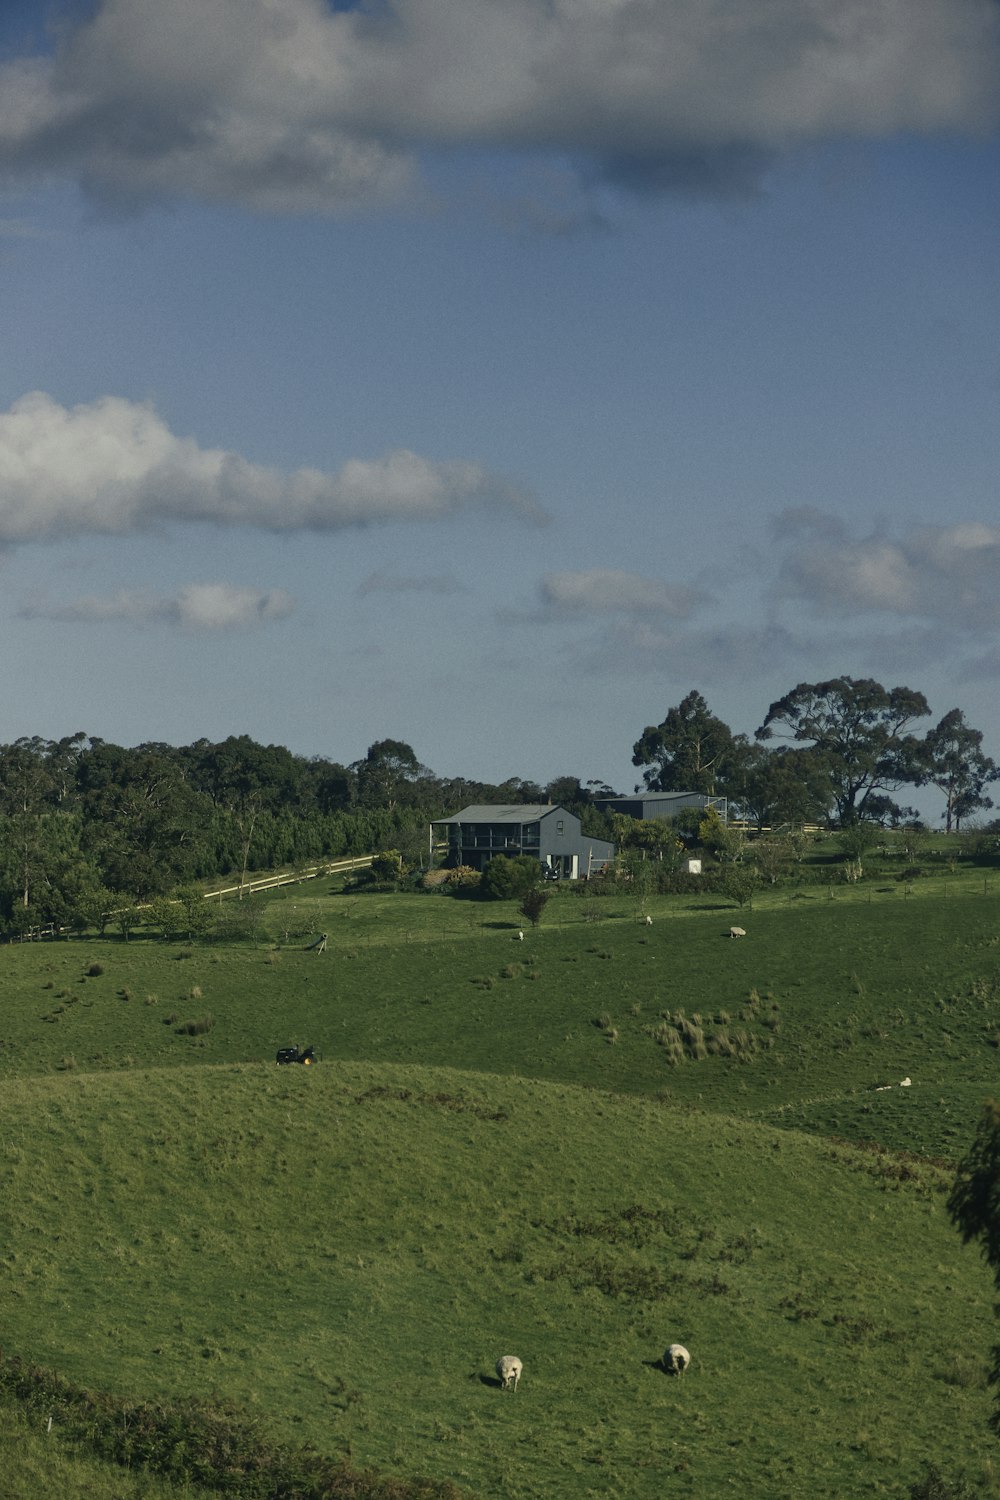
[(550, 834)]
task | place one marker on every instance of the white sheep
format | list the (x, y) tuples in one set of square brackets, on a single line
[(737, 932), (520, 937), (676, 1359), (508, 1371), (649, 921)]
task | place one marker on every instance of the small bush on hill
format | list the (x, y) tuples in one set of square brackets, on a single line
[(462, 881), (506, 879), (195, 1028), (534, 904)]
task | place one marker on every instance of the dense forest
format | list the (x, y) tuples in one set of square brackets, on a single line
[(87, 826)]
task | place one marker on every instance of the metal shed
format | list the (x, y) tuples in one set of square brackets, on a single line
[(645, 805)]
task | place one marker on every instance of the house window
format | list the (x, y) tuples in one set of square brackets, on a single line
[(559, 825)]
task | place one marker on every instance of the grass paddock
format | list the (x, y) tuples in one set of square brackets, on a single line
[(502, 1151)]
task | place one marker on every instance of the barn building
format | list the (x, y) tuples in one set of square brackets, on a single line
[(662, 804)]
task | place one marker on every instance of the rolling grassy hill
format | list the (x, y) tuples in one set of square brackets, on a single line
[(503, 1151)]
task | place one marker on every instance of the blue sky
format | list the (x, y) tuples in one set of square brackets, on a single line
[(489, 375)]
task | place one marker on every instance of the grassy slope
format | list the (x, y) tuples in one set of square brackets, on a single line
[(354, 1264), (852, 995), (353, 1261)]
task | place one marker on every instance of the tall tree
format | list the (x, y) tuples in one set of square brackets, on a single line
[(246, 779), (956, 765), (387, 774), (785, 785), (861, 730), (26, 790), (142, 819), (974, 1205), (690, 751)]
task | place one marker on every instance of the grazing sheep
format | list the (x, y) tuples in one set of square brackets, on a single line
[(676, 1359), (737, 932), (520, 937), (649, 921), (508, 1371), (904, 1083)]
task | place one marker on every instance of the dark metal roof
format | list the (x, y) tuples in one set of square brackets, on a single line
[(516, 813)]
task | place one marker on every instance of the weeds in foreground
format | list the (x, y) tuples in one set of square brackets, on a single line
[(213, 1444)]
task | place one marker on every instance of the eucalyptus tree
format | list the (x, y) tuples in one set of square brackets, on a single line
[(38, 818), (954, 762), (245, 781), (388, 774), (689, 751), (143, 821), (974, 1206), (25, 795), (785, 785), (861, 731)]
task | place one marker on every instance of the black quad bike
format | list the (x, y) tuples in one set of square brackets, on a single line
[(306, 1056)]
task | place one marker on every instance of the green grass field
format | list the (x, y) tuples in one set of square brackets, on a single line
[(502, 1150)]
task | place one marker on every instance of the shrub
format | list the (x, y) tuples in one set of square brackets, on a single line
[(934, 1486), (506, 879), (534, 904), (387, 866), (195, 1028)]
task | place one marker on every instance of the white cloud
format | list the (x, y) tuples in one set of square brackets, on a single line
[(946, 574), (288, 105), (195, 606), (604, 590), (113, 466), (226, 606)]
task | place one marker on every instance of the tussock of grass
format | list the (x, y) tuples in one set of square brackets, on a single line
[(199, 1027)]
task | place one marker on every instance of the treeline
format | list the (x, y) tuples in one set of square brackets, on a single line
[(850, 747), (87, 826)]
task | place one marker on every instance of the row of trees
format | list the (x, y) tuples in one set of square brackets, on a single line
[(83, 820), (850, 747), (85, 824)]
